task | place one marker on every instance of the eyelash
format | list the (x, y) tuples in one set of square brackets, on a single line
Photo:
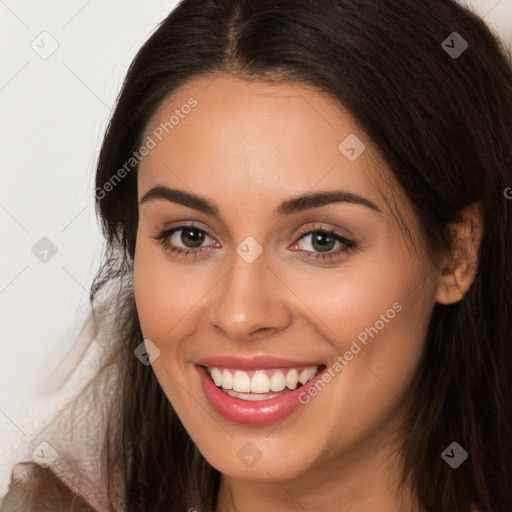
[(350, 245)]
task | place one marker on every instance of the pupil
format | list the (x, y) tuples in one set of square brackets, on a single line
[(194, 235), (323, 240)]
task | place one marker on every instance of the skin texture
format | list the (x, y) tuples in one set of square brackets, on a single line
[(248, 146)]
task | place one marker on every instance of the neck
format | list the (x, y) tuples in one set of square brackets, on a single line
[(353, 482)]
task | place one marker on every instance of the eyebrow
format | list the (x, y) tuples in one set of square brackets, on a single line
[(293, 205)]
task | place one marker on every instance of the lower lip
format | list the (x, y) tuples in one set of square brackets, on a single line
[(247, 412)]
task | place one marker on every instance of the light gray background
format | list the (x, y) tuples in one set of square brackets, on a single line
[(53, 114)]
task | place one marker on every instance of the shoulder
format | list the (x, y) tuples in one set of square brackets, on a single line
[(34, 489)]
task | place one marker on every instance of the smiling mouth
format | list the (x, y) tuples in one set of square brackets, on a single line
[(264, 384)]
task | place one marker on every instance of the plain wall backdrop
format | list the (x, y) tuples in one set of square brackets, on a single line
[(62, 65)]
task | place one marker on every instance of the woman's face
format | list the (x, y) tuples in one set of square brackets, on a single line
[(272, 288)]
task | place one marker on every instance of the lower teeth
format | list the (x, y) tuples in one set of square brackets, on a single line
[(251, 396), (254, 397)]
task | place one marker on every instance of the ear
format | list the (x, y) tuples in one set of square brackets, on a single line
[(459, 267)]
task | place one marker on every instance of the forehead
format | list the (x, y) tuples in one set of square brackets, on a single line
[(219, 135)]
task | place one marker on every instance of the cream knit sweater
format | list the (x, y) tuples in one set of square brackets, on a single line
[(71, 443)]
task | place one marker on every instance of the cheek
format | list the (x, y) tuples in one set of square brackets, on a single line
[(375, 322), (375, 318), (164, 293), (345, 301), (152, 291)]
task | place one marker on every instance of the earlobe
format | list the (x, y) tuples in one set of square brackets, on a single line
[(460, 266), (449, 289)]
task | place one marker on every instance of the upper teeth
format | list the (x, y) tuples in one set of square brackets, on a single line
[(261, 382)]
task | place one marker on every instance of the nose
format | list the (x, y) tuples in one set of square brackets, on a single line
[(250, 302)]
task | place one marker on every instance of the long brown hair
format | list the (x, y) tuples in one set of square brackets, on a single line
[(443, 125)]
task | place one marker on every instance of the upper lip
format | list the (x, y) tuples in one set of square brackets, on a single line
[(259, 362)]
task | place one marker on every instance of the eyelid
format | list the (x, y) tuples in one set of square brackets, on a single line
[(323, 228), (167, 231)]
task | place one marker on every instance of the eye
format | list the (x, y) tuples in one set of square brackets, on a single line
[(320, 243), (316, 242), (184, 240)]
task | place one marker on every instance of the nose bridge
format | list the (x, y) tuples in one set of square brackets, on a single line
[(249, 298)]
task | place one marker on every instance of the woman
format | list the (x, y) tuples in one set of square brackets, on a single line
[(308, 221)]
